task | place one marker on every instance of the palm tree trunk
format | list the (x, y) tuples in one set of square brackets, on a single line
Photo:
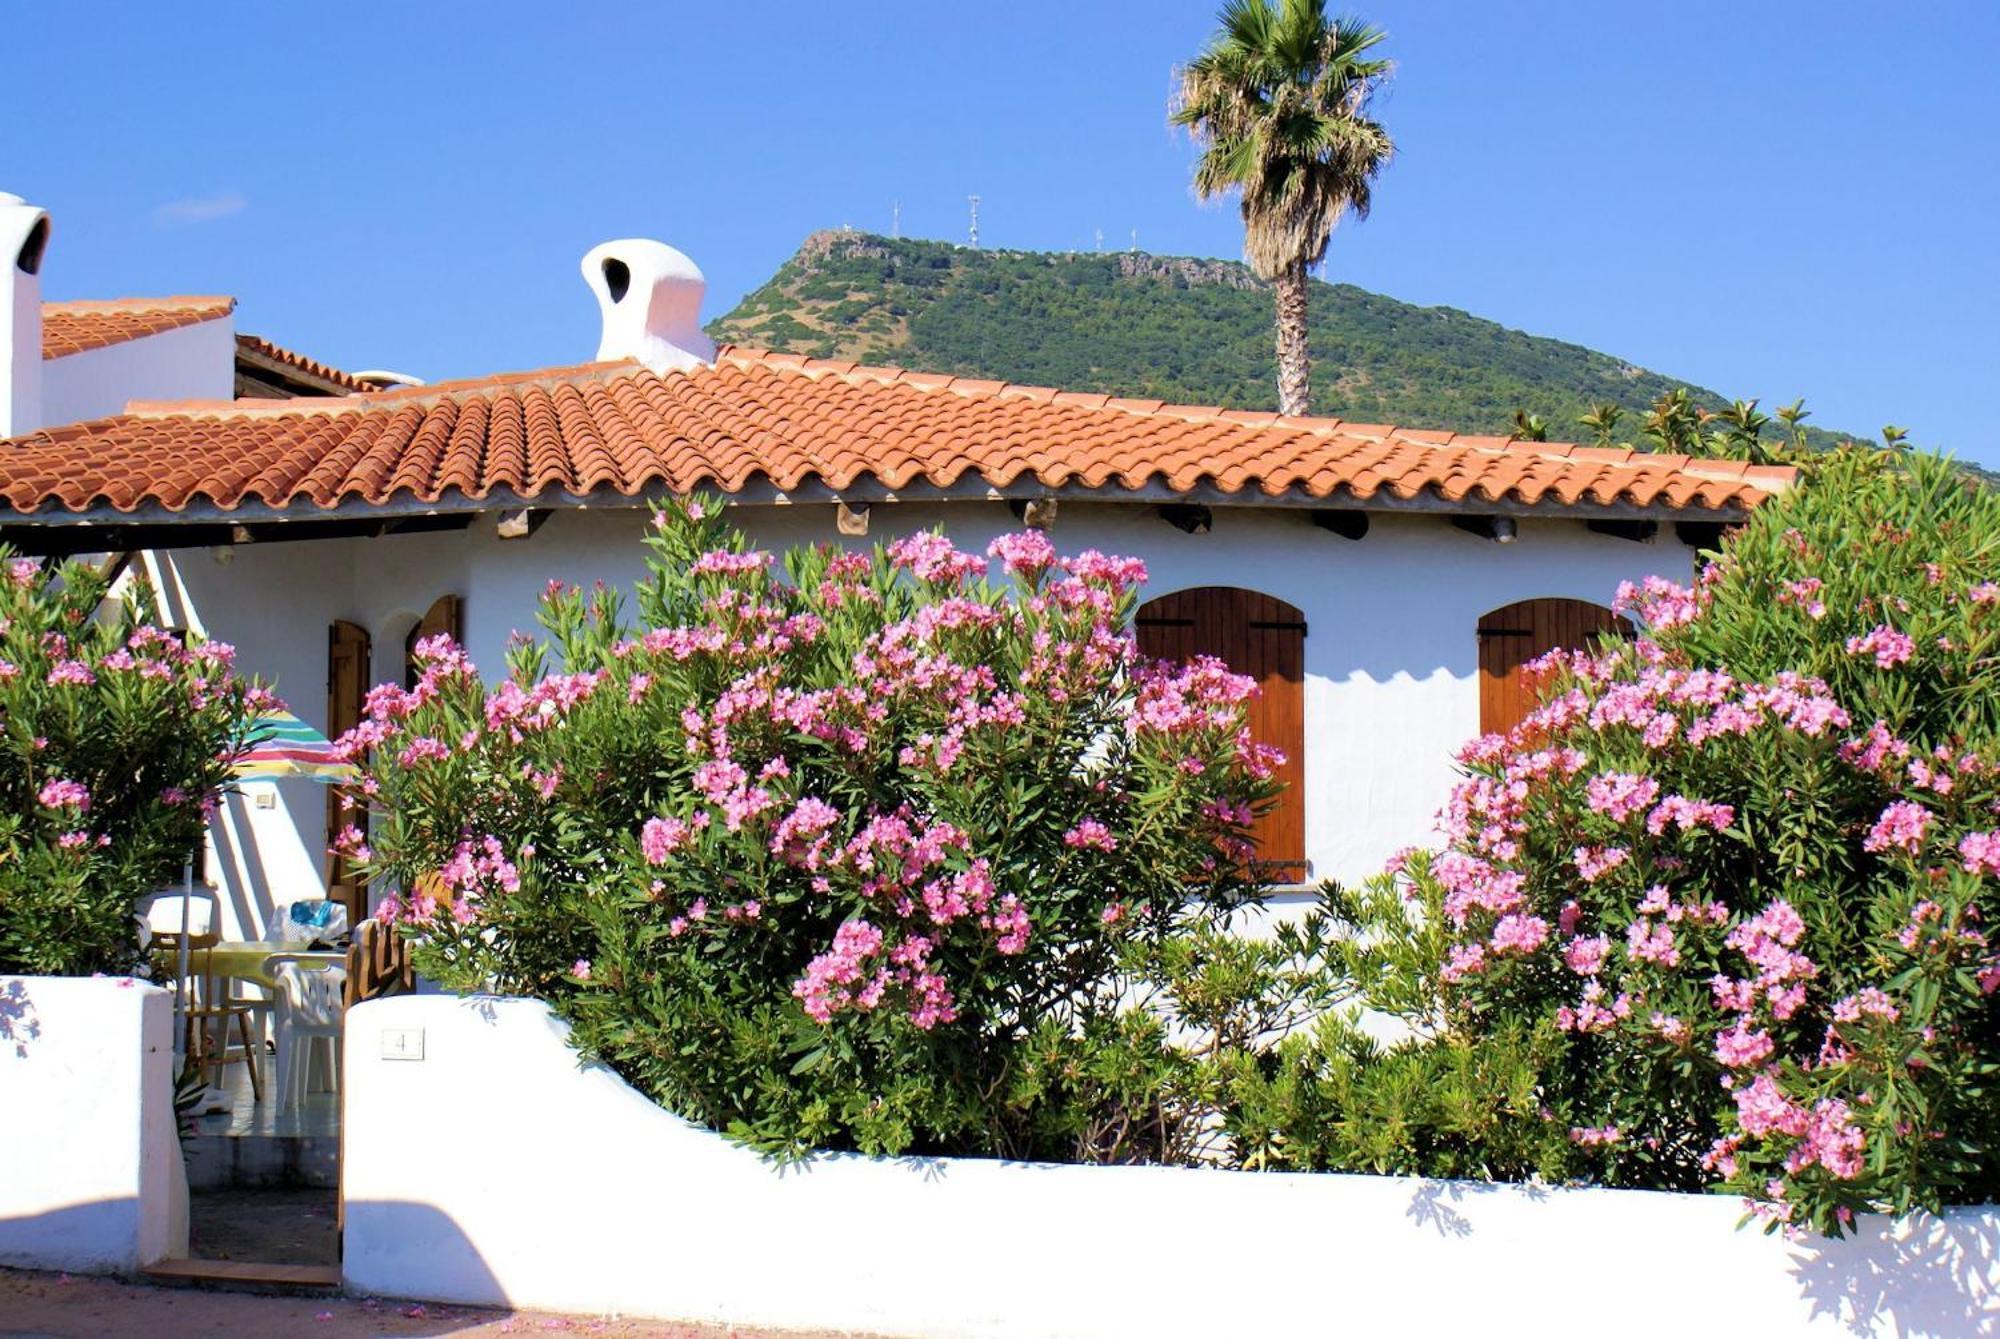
[(1294, 364)]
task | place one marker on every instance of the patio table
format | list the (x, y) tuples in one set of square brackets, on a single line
[(248, 959)]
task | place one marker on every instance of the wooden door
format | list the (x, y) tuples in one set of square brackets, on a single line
[(446, 617), (347, 656), (1264, 638), (1513, 636)]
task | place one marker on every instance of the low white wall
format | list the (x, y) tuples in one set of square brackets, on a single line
[(90, 1167), (496, 1170)]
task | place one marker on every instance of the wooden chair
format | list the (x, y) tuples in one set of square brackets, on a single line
[(208, 1006), (378, 963)]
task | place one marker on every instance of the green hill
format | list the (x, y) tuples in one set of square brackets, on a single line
[(1173, 328)]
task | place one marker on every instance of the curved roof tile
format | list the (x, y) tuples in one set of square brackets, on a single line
[(76, 327), (792, 421)]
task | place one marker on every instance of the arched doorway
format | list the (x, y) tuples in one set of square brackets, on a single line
[(347, 655), (1265, 638), (1515, 635)]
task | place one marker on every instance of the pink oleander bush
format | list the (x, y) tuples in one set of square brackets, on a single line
[(115, 738), (1720, 913), (843, 850)]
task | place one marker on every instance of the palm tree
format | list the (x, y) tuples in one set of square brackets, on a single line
[(1278, 103)]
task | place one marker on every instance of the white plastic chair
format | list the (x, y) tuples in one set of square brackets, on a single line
[(310, 994)]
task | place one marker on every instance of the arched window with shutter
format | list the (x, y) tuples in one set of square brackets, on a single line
[(1265, 638), (444, 617), (1517, 634)]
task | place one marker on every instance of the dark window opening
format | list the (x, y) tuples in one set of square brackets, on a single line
[(30, 259), (617, 277)]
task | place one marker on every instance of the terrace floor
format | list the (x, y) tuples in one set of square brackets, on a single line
[(318, 1115)]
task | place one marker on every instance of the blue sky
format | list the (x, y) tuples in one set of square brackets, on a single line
[(1773, 199)]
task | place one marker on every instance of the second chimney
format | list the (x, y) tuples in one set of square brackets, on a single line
[(650, 295), (24, 235)]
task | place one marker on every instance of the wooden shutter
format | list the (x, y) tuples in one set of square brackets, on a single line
[(347, 655), (1511, 637), (1264, 638), (445, 616)]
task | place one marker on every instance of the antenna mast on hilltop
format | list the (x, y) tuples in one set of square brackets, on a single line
[(1135, 241), (1100, 239), (974, 201), (896, 219)]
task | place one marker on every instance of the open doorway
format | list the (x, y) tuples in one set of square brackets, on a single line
[(267, 1015), (348, 652)]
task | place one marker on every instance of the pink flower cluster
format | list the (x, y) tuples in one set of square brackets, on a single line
[(62, 794), (1090, 835), (1205, 694), (1889, 647), (864, 966), (929, 556), (1979, 853), (1902, 827), (1026, 554), (1658, 603), (1620, 795)]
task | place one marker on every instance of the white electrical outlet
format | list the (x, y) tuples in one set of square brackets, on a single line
[(402, 1043)]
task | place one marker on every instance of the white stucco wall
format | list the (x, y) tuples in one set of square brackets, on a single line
[(193, 362), (90, 1166), (1391, 650), (558, 1186)]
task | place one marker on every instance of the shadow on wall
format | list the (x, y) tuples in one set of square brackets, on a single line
[(1922, 1275), (1434, 1203), (19, 1024), (1919, 1276), (73, 1237), (1406, 601), (240, 867), (425, 1232)]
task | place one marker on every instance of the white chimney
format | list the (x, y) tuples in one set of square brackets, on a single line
[(650, 295), (24, 234)]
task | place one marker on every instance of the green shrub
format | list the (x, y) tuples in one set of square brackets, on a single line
[(114, 740), (1722, 902), (855, 856)]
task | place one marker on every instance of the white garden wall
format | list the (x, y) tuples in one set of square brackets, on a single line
[(1391, 650), (493, 1169), (90, 1167)]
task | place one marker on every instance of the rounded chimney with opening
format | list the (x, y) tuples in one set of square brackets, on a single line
[(650, 296)]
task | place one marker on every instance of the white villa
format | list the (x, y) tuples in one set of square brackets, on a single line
[(1384, 583)]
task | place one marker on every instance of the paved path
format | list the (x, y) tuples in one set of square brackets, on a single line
[(57, 1306)]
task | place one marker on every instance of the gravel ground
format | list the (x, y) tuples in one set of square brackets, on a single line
[(278, 1227), (57, 1306)]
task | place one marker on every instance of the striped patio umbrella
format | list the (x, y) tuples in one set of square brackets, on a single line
[(286, 748)]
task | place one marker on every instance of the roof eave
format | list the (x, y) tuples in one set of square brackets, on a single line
[(762, 492)]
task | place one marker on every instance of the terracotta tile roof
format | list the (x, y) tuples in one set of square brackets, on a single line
[(311, 367), (768, 421), (73, 327)]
